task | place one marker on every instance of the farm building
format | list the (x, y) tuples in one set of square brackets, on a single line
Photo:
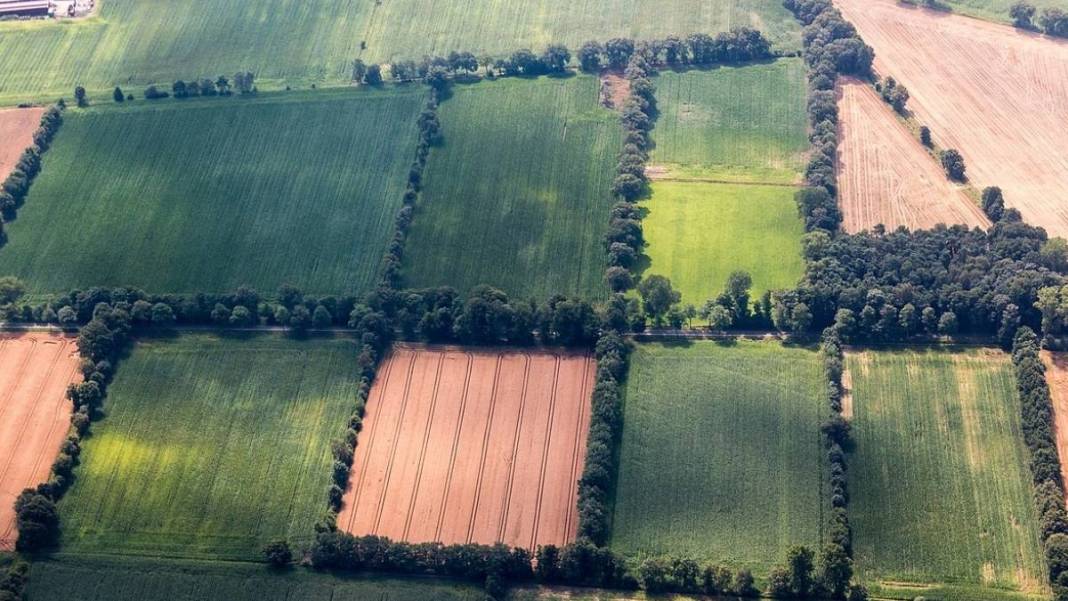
[(30, 8)]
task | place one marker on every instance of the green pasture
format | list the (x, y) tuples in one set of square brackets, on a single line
[(721, 456), (204, 195), (211, 447)]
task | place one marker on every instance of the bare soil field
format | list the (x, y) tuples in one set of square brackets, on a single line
[(997, 94), (472, 446), (16, 134), (35, 370), (885, 175), (1057, 377)]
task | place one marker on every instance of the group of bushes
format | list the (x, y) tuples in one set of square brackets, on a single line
[(17, 184), (1037, 422)]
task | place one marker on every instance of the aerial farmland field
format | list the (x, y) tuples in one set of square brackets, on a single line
[(998, 10), (518, 195), (463, 446), (212, 194), (941, 490), (721, 456), (16, 134), (211, 447)]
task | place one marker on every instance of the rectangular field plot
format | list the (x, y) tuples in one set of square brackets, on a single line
[(211, 194), (940, 488), (732, 123), (518, 195), (697, 233), (211, 447), (35, 370), (471, 446), (721, 455)]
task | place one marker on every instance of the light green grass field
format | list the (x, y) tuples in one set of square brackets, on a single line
[(135, 579), (210, 194), (941, 492), (211, 447), (133, 42), (721, 457), (734, 123), (696, 234), (998, 10), (518, 196)]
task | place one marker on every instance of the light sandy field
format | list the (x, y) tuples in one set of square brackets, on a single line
[(1057, 377), (35, 370), (16, 134), (997, 94), (462, 446), (885, 175)]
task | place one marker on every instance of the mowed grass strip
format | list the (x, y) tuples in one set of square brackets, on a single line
[(733, 123), (210, 194), (721, 457), (941, 491), (518, 196), (211, 447), (697, 234), (81, 578)]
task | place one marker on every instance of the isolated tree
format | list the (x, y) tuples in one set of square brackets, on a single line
[(358, 70), (1023, 15), (993, 203), (79, 96), (373, 76), (953, 163), (118, 95), (657, 297), (589, 56), (925, 136)]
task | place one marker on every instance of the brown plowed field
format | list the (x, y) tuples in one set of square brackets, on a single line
[(471, 446), (885, 175), (997, 94), (1057, 377), (35, 370), (16, 134)]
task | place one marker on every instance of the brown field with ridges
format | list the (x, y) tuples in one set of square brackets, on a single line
[(466, 446), (35, 370), (16, 134), (1057, 377), (997, 94), (885, 175)]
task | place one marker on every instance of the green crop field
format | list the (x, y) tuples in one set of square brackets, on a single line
[(132, 42), (721, 455), (211, 447), (210, 194), (733, 123), (135, 579), (941, 491), (518, 196), (697, 233)]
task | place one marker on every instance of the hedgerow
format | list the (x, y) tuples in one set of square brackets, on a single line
[(17, 184)]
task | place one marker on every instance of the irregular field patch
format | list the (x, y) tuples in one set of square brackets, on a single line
[(207, 195), (885, 175), (16, 134), (1057, 376), (697, 233), (211, 447), (464, 446), (35, 370), (940, 488), (518, 195), (997, 94), (721, 457)]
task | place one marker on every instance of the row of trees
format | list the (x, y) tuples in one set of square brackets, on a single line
[(1053, 21), (14, 575), (16, 186), (244, 82), (700, 50)]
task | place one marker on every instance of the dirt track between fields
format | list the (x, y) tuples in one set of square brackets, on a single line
[(885, 175), (16, 134), (1057, 377), (997, 94), (35, 369), (461, 446)]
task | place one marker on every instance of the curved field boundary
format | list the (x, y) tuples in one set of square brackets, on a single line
[(483, 447)]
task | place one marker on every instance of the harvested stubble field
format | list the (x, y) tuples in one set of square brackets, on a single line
[(721, 456), (1057, 376), (209, 194), (697, 233), (941, 490), (518, 195), (997, 94), (88, 578), (35, 370), (134, 43), (211, 447), (16, 134), (885, 175), (472, 446)]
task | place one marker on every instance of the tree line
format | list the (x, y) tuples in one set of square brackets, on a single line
[(1053, 21), (16, 186), (14, 574)]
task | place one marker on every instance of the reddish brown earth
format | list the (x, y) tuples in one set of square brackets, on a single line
[(885, 175), (1057, 377), (16, 134), (35, 370), (997, 94), (461, 446), (615, 89)]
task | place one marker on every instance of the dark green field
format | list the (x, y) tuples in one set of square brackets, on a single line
[(205, 195)]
